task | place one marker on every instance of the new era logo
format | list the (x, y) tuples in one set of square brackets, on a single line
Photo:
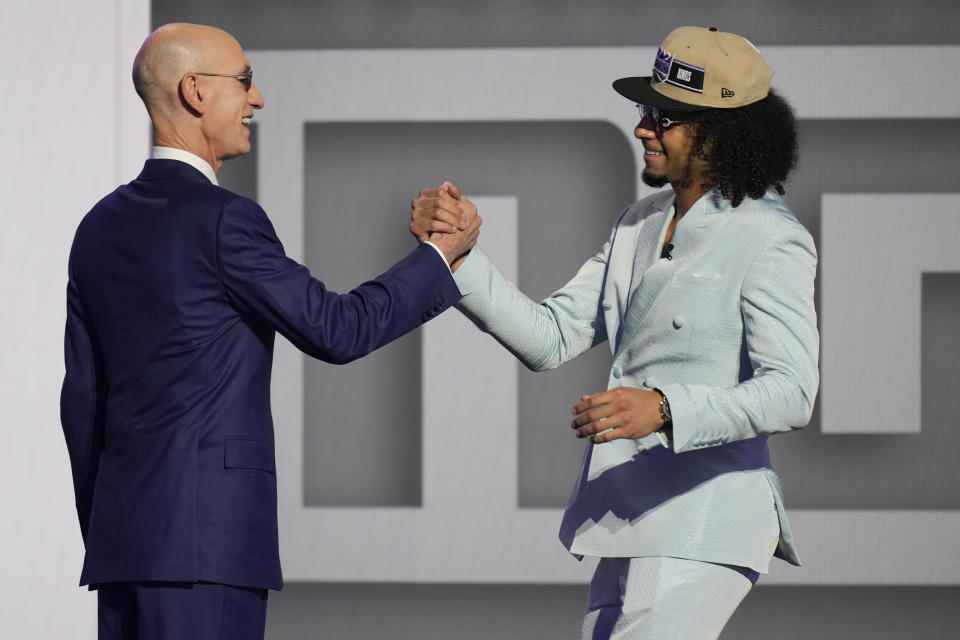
[(726, 93)]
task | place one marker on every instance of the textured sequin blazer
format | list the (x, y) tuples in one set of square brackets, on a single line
[(726, 328)]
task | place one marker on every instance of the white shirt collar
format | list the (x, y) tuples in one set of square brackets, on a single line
[(195, 161)]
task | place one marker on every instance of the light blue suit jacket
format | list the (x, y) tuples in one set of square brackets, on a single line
[(726, 329)]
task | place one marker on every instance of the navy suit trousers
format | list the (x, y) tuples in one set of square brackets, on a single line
[(180, 611)]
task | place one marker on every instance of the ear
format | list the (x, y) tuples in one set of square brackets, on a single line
[(191, 95)]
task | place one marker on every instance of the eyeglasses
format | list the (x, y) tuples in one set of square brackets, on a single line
[(661, 121), (246, 79)]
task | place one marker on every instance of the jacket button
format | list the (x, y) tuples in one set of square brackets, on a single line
[(617, 372), (678, 322)]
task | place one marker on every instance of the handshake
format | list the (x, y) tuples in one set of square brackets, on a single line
[(448, 220)]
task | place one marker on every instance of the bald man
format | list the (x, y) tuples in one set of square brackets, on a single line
[(176, 289)]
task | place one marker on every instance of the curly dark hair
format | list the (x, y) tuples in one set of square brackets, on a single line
[(748, 149)]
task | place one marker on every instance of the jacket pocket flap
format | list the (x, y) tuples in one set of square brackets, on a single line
[(248, 454)]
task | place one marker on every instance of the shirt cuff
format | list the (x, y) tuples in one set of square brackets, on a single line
[(440, 253)]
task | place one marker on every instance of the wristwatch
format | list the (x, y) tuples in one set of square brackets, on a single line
[(665, 433)]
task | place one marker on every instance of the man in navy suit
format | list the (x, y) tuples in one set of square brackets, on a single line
[(176, 289)]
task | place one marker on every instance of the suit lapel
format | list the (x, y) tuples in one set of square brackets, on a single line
[(646, 280), (697, 231), (694, 235), (646, 250)]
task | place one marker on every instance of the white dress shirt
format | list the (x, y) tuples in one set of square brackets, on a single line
[(195, 161)]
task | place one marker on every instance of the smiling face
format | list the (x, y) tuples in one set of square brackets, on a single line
[(668, 154), (225, 122)]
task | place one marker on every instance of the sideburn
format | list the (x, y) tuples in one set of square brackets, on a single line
[(700, 154)]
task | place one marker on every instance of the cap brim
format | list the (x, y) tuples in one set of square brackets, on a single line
[(640, 91)]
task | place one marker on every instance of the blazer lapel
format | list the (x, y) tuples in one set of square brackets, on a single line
[(646, 279), (692, 236), (647, 253), (697, 231)]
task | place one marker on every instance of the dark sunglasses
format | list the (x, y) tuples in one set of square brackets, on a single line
[(661, 121)]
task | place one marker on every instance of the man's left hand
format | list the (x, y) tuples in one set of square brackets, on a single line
[(622, 412)]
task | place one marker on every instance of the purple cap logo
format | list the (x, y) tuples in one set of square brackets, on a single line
[(661, 67)]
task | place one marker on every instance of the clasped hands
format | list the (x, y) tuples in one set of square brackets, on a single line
[(447, 219), (443, 214)]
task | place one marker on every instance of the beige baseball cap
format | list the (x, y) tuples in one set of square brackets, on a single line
[(698, 69)]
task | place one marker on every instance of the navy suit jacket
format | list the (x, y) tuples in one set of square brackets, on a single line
[(176, 289)]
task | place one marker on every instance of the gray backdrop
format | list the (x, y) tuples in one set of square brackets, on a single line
[(571, 179)]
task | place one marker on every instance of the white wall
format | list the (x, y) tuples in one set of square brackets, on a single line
[(72, 130)]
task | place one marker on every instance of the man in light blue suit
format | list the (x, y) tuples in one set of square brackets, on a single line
[(705, 295)]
